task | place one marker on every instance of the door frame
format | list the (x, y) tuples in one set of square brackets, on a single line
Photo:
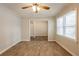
[(30, 28)]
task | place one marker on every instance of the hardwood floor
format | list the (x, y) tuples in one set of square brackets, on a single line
[(36, 48), (39, 38)]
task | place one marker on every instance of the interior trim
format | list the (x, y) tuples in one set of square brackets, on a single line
[(73, 54), (8, 47)]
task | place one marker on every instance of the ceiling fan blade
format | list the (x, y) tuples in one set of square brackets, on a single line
[(45, 7), (26, 7)]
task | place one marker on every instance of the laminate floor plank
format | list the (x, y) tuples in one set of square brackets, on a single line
[(36, 48)]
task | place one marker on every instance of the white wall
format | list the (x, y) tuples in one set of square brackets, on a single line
[(25, 29), (31, 28), (39, 28), (51, 29), (10, 28), (69, 44)]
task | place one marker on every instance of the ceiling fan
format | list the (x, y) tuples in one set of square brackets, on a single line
[(36, 7)]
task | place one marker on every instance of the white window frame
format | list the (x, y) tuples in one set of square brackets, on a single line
[(64, 23)]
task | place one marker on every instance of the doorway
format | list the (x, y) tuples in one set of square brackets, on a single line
[(38, 30)]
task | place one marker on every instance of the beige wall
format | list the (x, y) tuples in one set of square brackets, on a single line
[(69, 44), (78, 28), (10, 28)]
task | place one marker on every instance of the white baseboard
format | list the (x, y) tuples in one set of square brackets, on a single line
[(66, 49), (51, 40), (26, 39), (8, 47)]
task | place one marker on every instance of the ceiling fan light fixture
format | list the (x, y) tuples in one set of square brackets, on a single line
[(34, 8), (37, 7)]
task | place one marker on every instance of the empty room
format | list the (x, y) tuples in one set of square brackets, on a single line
[(39, 29)]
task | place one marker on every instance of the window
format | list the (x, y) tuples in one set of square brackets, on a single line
[(66, 25), (60, 26)]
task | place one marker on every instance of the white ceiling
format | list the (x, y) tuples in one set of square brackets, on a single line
[(54, 9)]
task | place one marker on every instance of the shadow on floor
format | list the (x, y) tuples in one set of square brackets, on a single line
[(39, 38)]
